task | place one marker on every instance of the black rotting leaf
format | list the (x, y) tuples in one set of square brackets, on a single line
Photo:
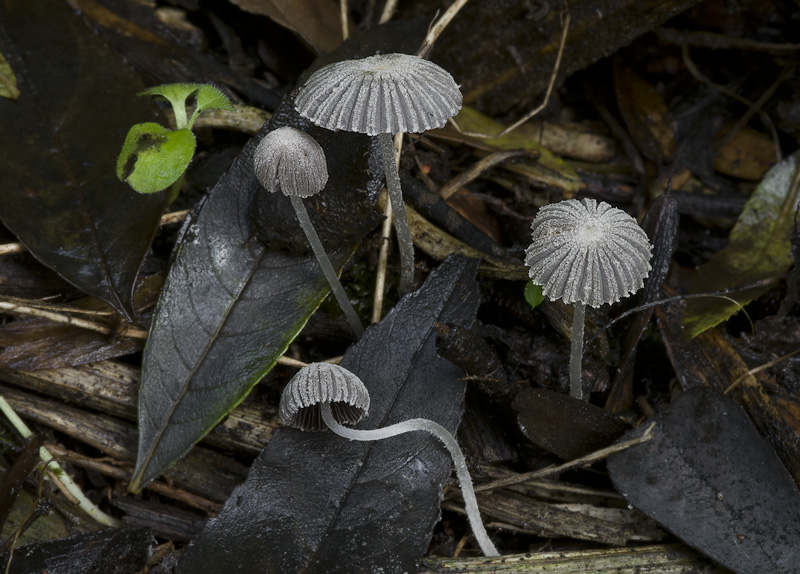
[(711, 479), (117, 550), (314, 502), (234, 299), (58, 149)]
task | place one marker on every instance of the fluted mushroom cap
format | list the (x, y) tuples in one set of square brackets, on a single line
[(291, 161), (319, 383), (387, 93), (588, 252)]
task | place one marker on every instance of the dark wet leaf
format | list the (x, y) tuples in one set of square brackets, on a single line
[(58, 148), (314, 502), (710, 359), (712, 480), (113, 550), (234, 298), (567, 427)]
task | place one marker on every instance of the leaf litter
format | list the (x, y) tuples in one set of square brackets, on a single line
[(711, 170)]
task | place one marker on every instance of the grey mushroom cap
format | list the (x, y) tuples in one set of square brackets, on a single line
[(588, 252), (290, 161), (319, 383), (387, 93)]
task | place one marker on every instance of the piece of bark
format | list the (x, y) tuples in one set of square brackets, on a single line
[(655, 559), (164, 520), (202, 471), (112, 387), (553, 521)]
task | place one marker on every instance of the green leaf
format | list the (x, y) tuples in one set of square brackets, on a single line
[(58, 150), (758, 249), (8, 81), (533, 294), (208, 98), (153, 157)]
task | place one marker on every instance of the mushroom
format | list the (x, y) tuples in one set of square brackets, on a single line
[(383, 95), (324, 395), (586, 253), (293, 162)]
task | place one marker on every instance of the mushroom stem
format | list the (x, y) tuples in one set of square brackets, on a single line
[(437, 430), (576, 351), (327, 267), (400, 220)]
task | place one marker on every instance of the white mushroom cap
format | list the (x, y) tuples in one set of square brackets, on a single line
[(588, 252), (291, 161), (387, 93), (318, 383)]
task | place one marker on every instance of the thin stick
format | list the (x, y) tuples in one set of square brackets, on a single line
[(483, 165), (544, 103), (327, 268), (438, 27), (583, 461), (59, 475), (576, 351), (383, 259), (16, 308), (388, 11), (343, 18)]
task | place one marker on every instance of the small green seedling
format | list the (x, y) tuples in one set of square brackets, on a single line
[(154, 157), (533, 294)]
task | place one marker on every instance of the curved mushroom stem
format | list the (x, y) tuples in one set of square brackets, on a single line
[(327, 267), (400, 220), (576, 351), (437, 430)]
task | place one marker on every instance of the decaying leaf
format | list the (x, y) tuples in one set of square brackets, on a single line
[(645, 113), (8, 81), (758, 249), (549, 169), (317, 22), (711, 479)]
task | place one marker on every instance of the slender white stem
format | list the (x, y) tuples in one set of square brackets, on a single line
[(327, 268), (576, 351), (60, 475), (399, 209), (437, 430)]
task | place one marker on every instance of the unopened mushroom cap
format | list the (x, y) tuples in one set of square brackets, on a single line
[(588, 252), (291, 161), (387, 93), (319, 383)]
